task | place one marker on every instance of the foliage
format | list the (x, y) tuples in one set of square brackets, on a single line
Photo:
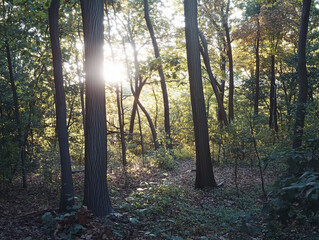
[(65, 225), (296, 193), (183, 152), (162, 158)]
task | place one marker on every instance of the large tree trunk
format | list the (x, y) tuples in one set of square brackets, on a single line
[(256, 97), (302, 75), (204, 169), (162, 77), (96, 196), (17, 116), (67, 192)]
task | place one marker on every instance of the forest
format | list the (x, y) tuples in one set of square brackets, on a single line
[(159, 119)]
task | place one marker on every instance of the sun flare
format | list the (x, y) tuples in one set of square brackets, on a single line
[(114, 73)]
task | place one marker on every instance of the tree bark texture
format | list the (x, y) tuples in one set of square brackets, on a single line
[(67, 192), (168, 140), (96, 195), (302, 75), (204, 170)]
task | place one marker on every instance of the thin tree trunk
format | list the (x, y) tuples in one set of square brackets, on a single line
[(118, 95), (81, 82), (150, 122), (17, 115), (302, 75), (230, 66), (156, 108), (273, 98), (256, 97), (121, 123), (204, 169), (213, 81), (141, 135), (168, 139), (67, 192), (96, 195)]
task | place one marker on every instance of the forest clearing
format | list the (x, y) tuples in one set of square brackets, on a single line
[(159, 119)]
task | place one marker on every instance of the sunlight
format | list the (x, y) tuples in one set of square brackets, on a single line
[(114, 73)]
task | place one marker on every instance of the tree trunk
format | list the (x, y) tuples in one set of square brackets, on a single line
[(204, 170), (302, 75), (17, 116), (217, 89), (119, 98), (96, 196), (168, 140), (273, 98), (256, 97), (139, 83), (150, 122), (67, 192), (230, 66), (121, 123), (81, 82)]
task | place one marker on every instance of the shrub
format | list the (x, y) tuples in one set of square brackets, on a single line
[(162, 158), (183, 152)]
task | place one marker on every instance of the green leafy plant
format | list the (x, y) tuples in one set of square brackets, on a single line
[(296, 195), (64, 225), (162, 158)]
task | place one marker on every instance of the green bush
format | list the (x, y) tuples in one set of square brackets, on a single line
[(162, 158), (183, 152), (63, 225), (296, 195)]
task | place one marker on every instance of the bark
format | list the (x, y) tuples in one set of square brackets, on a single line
[(17, 116), (67, 192), (302, 75), (96, 195), (168, 140), (141, 134), (216, 87), (204, 170), (273, 98), (81, 82), (221, 111), (256, 97), (139, 83), (138, 88), (230, 65), (121, 123)]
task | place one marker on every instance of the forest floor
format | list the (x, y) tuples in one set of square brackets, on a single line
[(150, 203)]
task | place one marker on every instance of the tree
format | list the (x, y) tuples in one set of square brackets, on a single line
[(67, 192), (96, 196), (302, 75), (162, 77), (204, 170), (17, 115), (257, 72), (230, 63)]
